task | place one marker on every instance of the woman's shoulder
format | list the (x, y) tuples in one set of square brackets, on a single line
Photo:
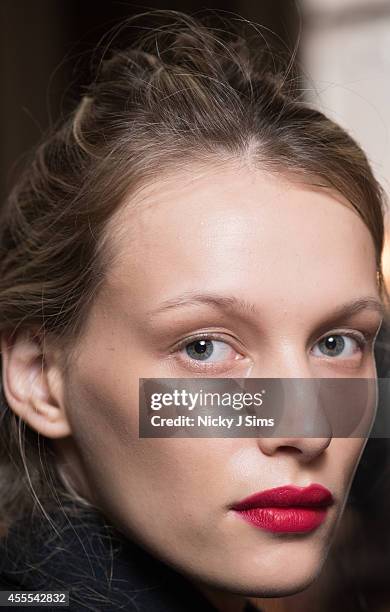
[(100, 568)]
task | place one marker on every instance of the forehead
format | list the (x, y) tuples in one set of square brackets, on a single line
[(236, 229)]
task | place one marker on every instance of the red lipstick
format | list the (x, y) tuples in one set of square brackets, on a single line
[(287, 509)]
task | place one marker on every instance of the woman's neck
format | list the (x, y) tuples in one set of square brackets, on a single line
[(222, 600)]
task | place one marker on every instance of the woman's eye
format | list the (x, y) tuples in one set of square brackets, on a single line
[(208, 350), (338, 345)]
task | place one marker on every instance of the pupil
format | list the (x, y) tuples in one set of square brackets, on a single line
[(201, 346), (333, 345), (200, 349)]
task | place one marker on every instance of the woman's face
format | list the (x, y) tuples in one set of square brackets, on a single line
[(197, 246)]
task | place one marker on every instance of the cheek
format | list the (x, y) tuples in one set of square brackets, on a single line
[(346, 453), (132, 477)]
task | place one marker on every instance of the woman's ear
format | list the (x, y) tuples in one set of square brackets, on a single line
[(33, 383)]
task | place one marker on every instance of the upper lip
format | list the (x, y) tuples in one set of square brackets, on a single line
[(314, 495)]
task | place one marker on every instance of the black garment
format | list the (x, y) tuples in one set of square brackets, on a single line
[(102, 570)]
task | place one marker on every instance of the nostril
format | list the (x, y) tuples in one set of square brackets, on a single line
[(292, 450)]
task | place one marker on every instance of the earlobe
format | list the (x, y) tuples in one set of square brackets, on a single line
[(32, 383)]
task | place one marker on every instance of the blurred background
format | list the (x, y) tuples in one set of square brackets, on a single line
[(343, 53)]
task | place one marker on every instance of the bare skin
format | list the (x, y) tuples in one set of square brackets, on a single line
[(294, 253)]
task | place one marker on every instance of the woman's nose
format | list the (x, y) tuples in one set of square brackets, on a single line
[(304, 449), (301, 425), (288, 361)]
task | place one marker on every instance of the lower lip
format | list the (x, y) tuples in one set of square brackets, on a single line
[(285, 520)]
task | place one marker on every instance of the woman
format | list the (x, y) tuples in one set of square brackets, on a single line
[(193, 217)]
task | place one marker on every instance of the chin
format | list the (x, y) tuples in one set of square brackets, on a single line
[(287, 576), (281, 586)]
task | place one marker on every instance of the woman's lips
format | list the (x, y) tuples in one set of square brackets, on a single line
[(287, 509)]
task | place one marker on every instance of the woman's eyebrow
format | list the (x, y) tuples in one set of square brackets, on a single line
[(227, 303), (354, 306), (232, 303)]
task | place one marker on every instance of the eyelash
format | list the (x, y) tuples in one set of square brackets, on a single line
[(363, 339), (203, 336)]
